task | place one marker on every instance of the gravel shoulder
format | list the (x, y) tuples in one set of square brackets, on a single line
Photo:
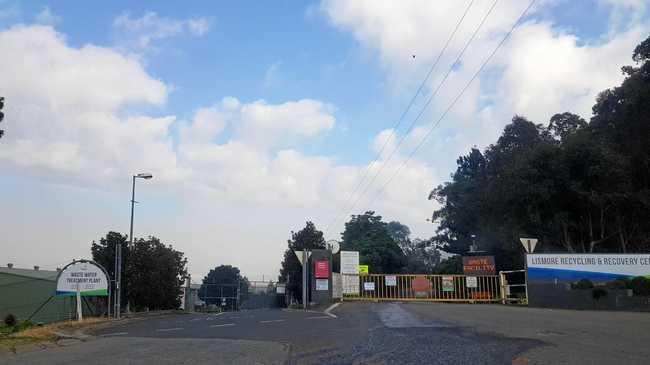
[(569, 336)]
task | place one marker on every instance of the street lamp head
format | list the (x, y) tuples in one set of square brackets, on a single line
[(144, 175)]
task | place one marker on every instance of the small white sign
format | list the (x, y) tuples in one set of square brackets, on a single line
[(369, 286), (391, 280), (299, 255), (349, 262), (322, 284), (280, 289), (529, 244), (471, 281)]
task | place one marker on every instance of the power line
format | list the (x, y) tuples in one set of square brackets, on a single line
[(435, 92), (426, 136), (408, 108)]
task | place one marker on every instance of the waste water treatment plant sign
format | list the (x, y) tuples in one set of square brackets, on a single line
[(84, 276)]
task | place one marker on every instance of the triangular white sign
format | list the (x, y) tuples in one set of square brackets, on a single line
[(529, 244), (299, 255)]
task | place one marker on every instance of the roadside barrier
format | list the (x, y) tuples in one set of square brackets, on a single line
[(409, 287)]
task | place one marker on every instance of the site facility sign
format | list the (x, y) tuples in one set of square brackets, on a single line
[(479, 265), (595, 267), (86, 277)]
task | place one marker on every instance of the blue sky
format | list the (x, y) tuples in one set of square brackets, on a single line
[(266, 112)]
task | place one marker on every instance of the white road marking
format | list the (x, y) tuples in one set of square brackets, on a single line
[(169, 329), (223, 325), (329, 310), (115, 334), (195, 319), (319, 317), (273, 321)]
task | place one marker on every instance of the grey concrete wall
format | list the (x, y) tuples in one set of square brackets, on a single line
[(320, 296)]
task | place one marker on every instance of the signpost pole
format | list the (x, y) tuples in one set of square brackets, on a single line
[(304, 279), (79, 309)]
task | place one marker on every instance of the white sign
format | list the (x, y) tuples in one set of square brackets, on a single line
[(350, 272), (83, 276), (280, 289), (471, 281), (299, 255), (595, 267), (322, 284), (369, 286), (391, 280), (529, 244), (349, 262)]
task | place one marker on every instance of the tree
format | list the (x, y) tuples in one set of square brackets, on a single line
[(421, 256), (152, 273), (577, 186), (224, 281), (156, 273), (565, 124), (367, 234), (291, 270)]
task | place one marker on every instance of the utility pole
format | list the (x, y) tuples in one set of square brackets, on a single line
[(2, 115), (118, 248)]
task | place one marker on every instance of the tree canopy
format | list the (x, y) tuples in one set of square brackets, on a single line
[(577, 186), (291, 270), (224, 281), (369, 235), (152, 272)]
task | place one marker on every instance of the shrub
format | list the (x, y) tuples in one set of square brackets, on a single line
[(10, 320), (598, 293), (640, 286), (584, 284), (619, 284)]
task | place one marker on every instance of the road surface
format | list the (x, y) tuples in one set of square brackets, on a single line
[(366, 333)]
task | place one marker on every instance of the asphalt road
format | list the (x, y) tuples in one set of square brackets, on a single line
[(366, 333)]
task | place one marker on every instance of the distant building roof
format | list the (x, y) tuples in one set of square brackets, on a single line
[(31, 273)]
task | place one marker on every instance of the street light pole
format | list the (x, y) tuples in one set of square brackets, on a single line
[(118, 249)]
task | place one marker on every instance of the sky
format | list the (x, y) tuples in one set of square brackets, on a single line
[(255, 117)]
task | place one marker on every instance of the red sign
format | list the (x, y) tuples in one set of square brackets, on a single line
[(322, 269), (421, 286), (479, 265)]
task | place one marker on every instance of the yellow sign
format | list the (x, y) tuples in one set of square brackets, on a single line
[(363, 269)]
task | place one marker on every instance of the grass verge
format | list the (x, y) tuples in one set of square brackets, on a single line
[(41, 335)]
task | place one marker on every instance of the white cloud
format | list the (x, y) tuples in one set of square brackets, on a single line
[(272, 75), (141, 33), (539, 72), (65, 114), (199, 26), (233, 165), (46, 17)]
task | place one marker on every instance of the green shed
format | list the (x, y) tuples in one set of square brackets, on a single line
[(30, 292)]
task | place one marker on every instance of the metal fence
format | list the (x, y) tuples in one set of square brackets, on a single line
[(514, 288), (406, 287)]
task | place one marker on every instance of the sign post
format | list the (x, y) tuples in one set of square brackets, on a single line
[(304, 279), (303, 256), (80, 316)]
